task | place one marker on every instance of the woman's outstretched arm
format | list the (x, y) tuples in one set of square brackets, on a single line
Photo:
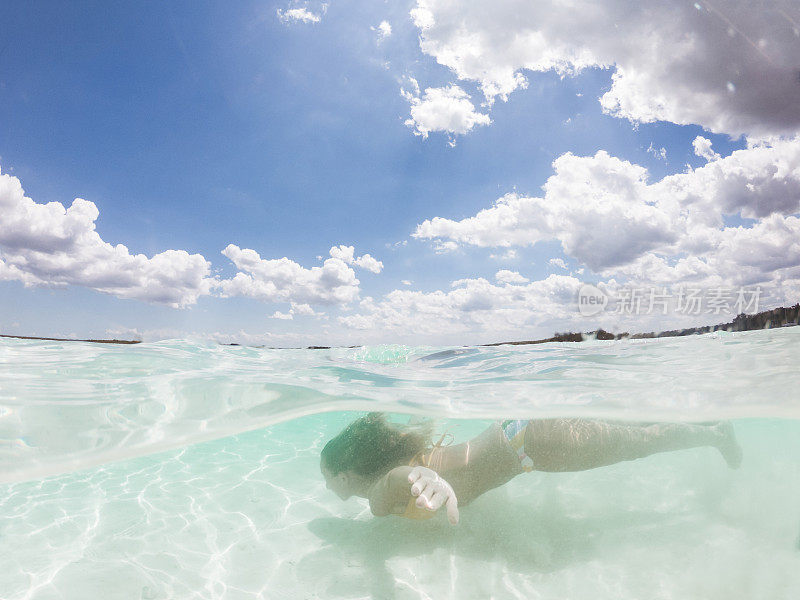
[(413, 492), (390, 494)]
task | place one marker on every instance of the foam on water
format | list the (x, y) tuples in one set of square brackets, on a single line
[(248, 515)]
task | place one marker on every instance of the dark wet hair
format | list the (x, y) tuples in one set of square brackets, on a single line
[(371, 446)]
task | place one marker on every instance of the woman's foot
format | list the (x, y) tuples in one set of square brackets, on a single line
[(728, 446)]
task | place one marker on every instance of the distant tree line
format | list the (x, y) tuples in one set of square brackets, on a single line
[(768, 319)]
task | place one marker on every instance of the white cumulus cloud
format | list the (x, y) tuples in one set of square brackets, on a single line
[(509, 254), (283, 280), (346, 255), (50, 245), (299, 15), (296, 309), (702, 148), (471, 305), (506, 276), (754, 182), (303, 309), (384, 30), (369, 263), (730, 66), (447, 109), (607, 215), (586, 200), (282, 316)]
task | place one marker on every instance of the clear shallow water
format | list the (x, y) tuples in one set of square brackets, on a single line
[(245, 513)]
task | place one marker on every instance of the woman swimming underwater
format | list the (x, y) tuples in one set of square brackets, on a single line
[(402, 473)]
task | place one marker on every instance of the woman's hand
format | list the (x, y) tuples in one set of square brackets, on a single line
[(432, 492)]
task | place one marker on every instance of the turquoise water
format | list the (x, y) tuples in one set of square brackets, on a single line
[(186, 470)]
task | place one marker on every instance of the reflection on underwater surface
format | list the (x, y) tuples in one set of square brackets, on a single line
[(249, 517)]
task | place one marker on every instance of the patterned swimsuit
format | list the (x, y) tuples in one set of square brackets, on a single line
[(515, 434)]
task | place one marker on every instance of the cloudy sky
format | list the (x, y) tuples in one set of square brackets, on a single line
[(434, 172)]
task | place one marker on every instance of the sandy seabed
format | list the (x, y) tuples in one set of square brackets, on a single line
[(249, 517)]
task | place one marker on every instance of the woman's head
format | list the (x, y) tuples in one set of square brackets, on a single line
[(367, 449)]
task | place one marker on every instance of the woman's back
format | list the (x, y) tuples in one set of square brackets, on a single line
[(476, 466)]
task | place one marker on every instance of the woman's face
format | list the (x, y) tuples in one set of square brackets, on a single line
[(339, 484)]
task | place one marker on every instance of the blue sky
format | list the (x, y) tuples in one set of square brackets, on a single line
[(192, 126)]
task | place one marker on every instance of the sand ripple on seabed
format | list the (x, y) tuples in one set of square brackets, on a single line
[(199, 522), (249, 517)]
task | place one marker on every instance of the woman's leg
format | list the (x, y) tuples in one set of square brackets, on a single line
[(581, 444)]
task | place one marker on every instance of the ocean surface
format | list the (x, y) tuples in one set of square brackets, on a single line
[(181, 469)]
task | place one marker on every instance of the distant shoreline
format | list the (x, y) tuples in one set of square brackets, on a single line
[(50, 339), (768, 319)]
